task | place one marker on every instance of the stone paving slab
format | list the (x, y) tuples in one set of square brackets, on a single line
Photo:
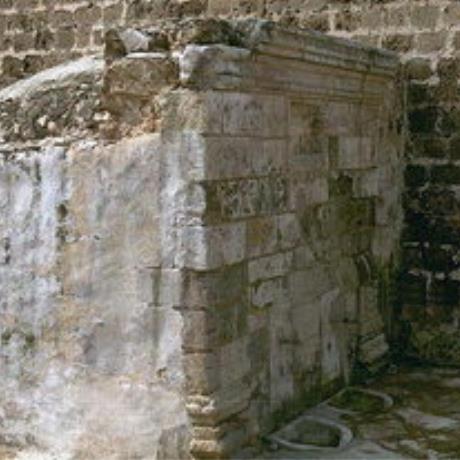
[(423, 423)]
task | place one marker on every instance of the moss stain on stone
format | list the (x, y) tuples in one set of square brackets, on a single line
[(6, 337), (356, 400)]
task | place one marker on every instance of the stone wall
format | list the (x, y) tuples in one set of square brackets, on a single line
[(37, 34), (301, 182), (91, 350), (426, 34), (200, 245)]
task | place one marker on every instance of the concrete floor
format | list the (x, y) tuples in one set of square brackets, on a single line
[(424, 422)]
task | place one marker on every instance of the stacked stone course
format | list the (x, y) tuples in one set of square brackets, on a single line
[(219, 213), (292, 195), (426, 34), (37, 34)]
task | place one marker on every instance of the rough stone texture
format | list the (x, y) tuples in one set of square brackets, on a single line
[(90, 345), (427, 36), (301, 175), (40, 33), (206, 251), (61, 100)]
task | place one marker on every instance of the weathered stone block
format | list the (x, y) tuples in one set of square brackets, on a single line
[(432, 146), (356, 153), (451, 14), (304, 258), (202, 372), (281, 364), (65, 38), (367, 184), (112, 14), (454, 148), (425, 16), (370, 318), (415, 175), (12, 66), (61, 18), (269, 293), (444, 292), (439, 201), (88, 15), (413, 288), (307, 129), (418, 69), (431, 41), (269, 267), (200, 331), (317, 21), (289, 231), (232, 321), (220, 405), (308, 284), (262, 236), (457, 40), (234, 361), (423, 120), (246, 198), (445, 174), (372, 18), (225, 287), (230, 157), (140, 74), (228, 243), (187, 110), (341, 118), (83, 37), (271, 160), (23, 41), (347, 20), (398, 42), (373, 350), (396, 16), (160, 286), (245, 114), (307, 190), (219, 7)]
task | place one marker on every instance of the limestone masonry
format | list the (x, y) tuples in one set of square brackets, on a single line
[(215, 213), (37, 34), (198, 233)]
